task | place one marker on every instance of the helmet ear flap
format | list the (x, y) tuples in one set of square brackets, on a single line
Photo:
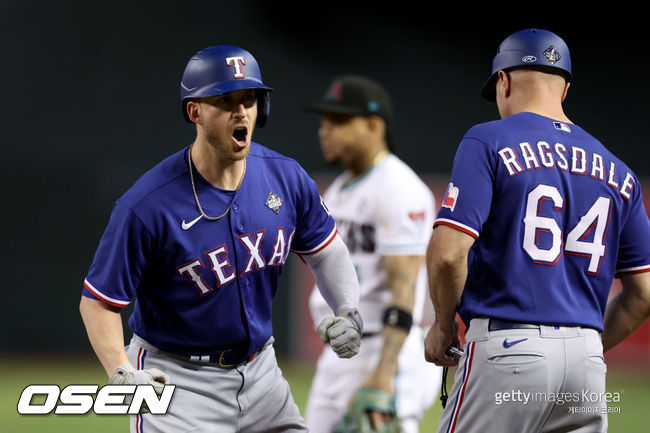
[(263, 108)]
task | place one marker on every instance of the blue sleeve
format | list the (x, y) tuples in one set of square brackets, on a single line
[(466, 204), (315, 227), (634, 248), (120, 259)]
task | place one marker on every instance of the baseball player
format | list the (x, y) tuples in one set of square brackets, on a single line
[(537, 220), (199, 243), (383, 212)]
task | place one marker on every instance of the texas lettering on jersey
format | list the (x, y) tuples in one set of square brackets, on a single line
[(219, 262), (200, 285)]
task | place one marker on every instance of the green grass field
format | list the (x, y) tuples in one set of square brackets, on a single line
[(16, 374)]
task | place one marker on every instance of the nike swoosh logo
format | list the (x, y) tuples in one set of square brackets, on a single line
[(186, 226), (508, 344)]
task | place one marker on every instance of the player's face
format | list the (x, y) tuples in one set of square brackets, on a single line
[(228, 121), (340, 137)]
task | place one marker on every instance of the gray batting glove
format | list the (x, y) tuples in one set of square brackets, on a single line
[(126, 374), (343, 332)]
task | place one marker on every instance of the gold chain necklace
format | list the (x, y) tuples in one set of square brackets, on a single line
[(196, 197)]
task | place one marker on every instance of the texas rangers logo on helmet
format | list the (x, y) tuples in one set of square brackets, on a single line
[(237, 62), (552, 55)]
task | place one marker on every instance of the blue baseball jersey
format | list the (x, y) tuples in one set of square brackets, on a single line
[(555, 216), (202, 286)]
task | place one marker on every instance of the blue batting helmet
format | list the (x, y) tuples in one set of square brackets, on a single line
[(530, 48), (223, 69)]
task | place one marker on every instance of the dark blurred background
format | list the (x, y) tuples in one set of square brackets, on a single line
[(91, 101)]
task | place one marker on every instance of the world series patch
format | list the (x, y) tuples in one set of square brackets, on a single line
[(274, 202), (552, 55)]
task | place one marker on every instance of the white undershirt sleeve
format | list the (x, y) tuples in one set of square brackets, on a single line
[(335, 275)]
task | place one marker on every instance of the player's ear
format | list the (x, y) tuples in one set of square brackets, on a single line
[(372, 123), (377, 126), (506, 82), (194, 110)]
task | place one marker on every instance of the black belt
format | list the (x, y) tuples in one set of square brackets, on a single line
[(226, 358), (498, 325)]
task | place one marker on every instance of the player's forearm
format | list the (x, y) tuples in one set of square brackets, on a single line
[(447, 270), (401, 278), (627, 310), (386, 369), (446, 284), (104, 328)]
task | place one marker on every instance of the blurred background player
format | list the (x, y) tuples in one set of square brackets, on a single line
[(383, 211), (199, 242), (537, 220)]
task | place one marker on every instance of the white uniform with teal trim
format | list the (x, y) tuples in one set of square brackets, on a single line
[(386, 211)]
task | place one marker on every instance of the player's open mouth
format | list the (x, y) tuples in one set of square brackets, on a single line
[(240, 135)]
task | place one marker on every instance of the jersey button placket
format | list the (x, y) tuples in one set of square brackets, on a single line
[(235, 207)]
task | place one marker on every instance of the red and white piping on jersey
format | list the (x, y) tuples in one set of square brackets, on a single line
[(634, 270), (320, 246), (453, 419), (111, 301), (455, 224)]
